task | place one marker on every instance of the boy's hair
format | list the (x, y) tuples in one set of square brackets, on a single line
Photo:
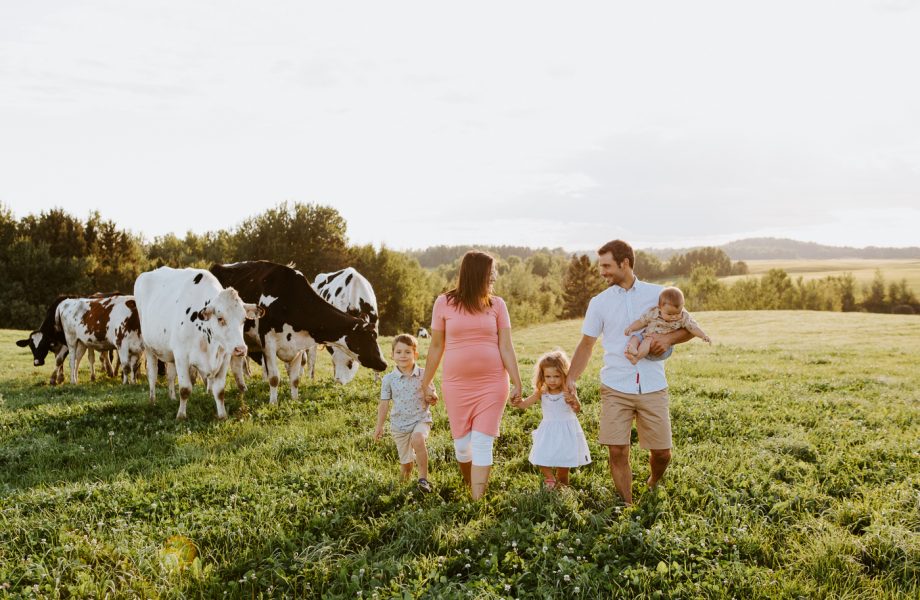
[(472, 292), (620, 250), (405, 338), (672, 296), (557, 358)]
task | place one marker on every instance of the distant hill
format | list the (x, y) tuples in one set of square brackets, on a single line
[(780, 248)]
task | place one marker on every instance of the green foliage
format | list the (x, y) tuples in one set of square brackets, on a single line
[(795, 474), (309, 235), (582, 282)]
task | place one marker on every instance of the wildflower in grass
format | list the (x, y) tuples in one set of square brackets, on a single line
[(566, 577), (576, 589)]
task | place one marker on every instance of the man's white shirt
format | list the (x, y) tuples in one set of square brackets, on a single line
[(608, 315)]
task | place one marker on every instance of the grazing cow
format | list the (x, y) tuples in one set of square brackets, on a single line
[(109, 323), (48, 338), (190, 321), (295, 319), (422, 333), (350, 292)]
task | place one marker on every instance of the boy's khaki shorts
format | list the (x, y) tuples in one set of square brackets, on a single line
[(403, 441), (650, 411)]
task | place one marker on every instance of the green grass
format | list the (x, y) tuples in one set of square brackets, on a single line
[(863, 270), (796, 473)]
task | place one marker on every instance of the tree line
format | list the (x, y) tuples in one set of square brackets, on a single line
[(53, 253)]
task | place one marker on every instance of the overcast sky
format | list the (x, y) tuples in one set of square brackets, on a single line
[(560, 124)]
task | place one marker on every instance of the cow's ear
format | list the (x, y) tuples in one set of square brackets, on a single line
[(22, 343), (206, 313), (254, 311)]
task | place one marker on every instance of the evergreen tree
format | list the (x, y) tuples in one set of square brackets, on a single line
[(582, 282)]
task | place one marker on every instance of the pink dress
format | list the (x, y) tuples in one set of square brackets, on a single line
[(474, 382)]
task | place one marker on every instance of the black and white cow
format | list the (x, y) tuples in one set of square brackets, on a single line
[(295, 319), (107, 323), (350, 292), (190, 322), (48, 338), (422, 333)]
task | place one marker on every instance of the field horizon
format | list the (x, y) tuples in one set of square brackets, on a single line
[(796, 472)]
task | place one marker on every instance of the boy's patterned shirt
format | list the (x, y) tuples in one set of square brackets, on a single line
[(409, 406)]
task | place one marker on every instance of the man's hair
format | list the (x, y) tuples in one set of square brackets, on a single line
[(620, 250), (472, 292), (405, 338), (672, 296)]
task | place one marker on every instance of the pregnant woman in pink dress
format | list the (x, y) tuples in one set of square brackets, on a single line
[(471, 329)]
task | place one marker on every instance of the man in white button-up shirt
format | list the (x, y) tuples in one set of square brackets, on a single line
[(628, 391)]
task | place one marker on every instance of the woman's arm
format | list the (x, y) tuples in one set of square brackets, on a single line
[(509, 360), (435, 352)]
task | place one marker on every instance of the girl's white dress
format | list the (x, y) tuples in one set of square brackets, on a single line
[(559, 440)]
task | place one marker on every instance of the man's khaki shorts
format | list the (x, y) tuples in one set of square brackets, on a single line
[(403, 441), (650, 411)]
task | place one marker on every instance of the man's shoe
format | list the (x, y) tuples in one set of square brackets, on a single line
[(424, 485)]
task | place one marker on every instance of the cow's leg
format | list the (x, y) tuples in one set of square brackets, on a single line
[(236, 365), (270, 365), (124, 359), (119, 363), (91, 357), (218, 384), (152, 375), (183, 371), (75, 356), (106, 360), (171, 379), (57, 375), (310, 358), (294, 369)]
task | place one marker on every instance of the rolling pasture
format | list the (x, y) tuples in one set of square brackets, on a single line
[(863, 270), (796, 473)]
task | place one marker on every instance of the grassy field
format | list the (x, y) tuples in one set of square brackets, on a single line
[(863, 270), (796, 473)]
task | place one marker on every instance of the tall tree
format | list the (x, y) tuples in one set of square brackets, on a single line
[(311, 236), (582, 282)]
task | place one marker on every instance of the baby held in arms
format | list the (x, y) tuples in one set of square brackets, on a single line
[(668, 316)]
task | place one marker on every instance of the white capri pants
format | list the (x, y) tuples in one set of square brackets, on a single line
[(476, 447)]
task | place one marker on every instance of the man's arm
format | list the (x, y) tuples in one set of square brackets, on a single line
[(662, 341), (580, 361)]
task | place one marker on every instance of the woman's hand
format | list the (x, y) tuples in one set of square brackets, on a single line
[(515, 394), (431, 396)]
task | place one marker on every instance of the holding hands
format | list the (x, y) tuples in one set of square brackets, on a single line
[(431, 396)]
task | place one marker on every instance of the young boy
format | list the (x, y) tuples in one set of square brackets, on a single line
[(410, 419), (668, 316)]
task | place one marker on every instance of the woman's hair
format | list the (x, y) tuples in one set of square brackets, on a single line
[(672, 296), (472, 291), (556, 358), (405, 338)]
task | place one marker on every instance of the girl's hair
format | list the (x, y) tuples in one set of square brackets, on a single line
[(405, 338), (472, 291), (672, 296), (557, 358)]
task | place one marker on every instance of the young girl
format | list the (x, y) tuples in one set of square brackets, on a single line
[(559, 442)]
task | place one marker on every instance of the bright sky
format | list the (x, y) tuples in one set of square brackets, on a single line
[(667, 123)]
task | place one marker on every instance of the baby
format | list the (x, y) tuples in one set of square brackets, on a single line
[(668, 316)]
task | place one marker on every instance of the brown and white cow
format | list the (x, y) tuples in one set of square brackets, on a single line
[(48, 338), (102, 324), (191, 322)]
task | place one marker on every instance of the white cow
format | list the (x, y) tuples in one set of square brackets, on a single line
[(422, 333), (350, 292), (107, 323), (191, 322)]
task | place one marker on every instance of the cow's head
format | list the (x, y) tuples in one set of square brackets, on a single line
[(362, 341), (345, 364), (224, 316), (40, 344)]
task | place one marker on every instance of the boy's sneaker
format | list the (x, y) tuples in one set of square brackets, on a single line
[(424, 485)]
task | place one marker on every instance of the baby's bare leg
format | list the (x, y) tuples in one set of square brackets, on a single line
[(642, 352), (632, 346)]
